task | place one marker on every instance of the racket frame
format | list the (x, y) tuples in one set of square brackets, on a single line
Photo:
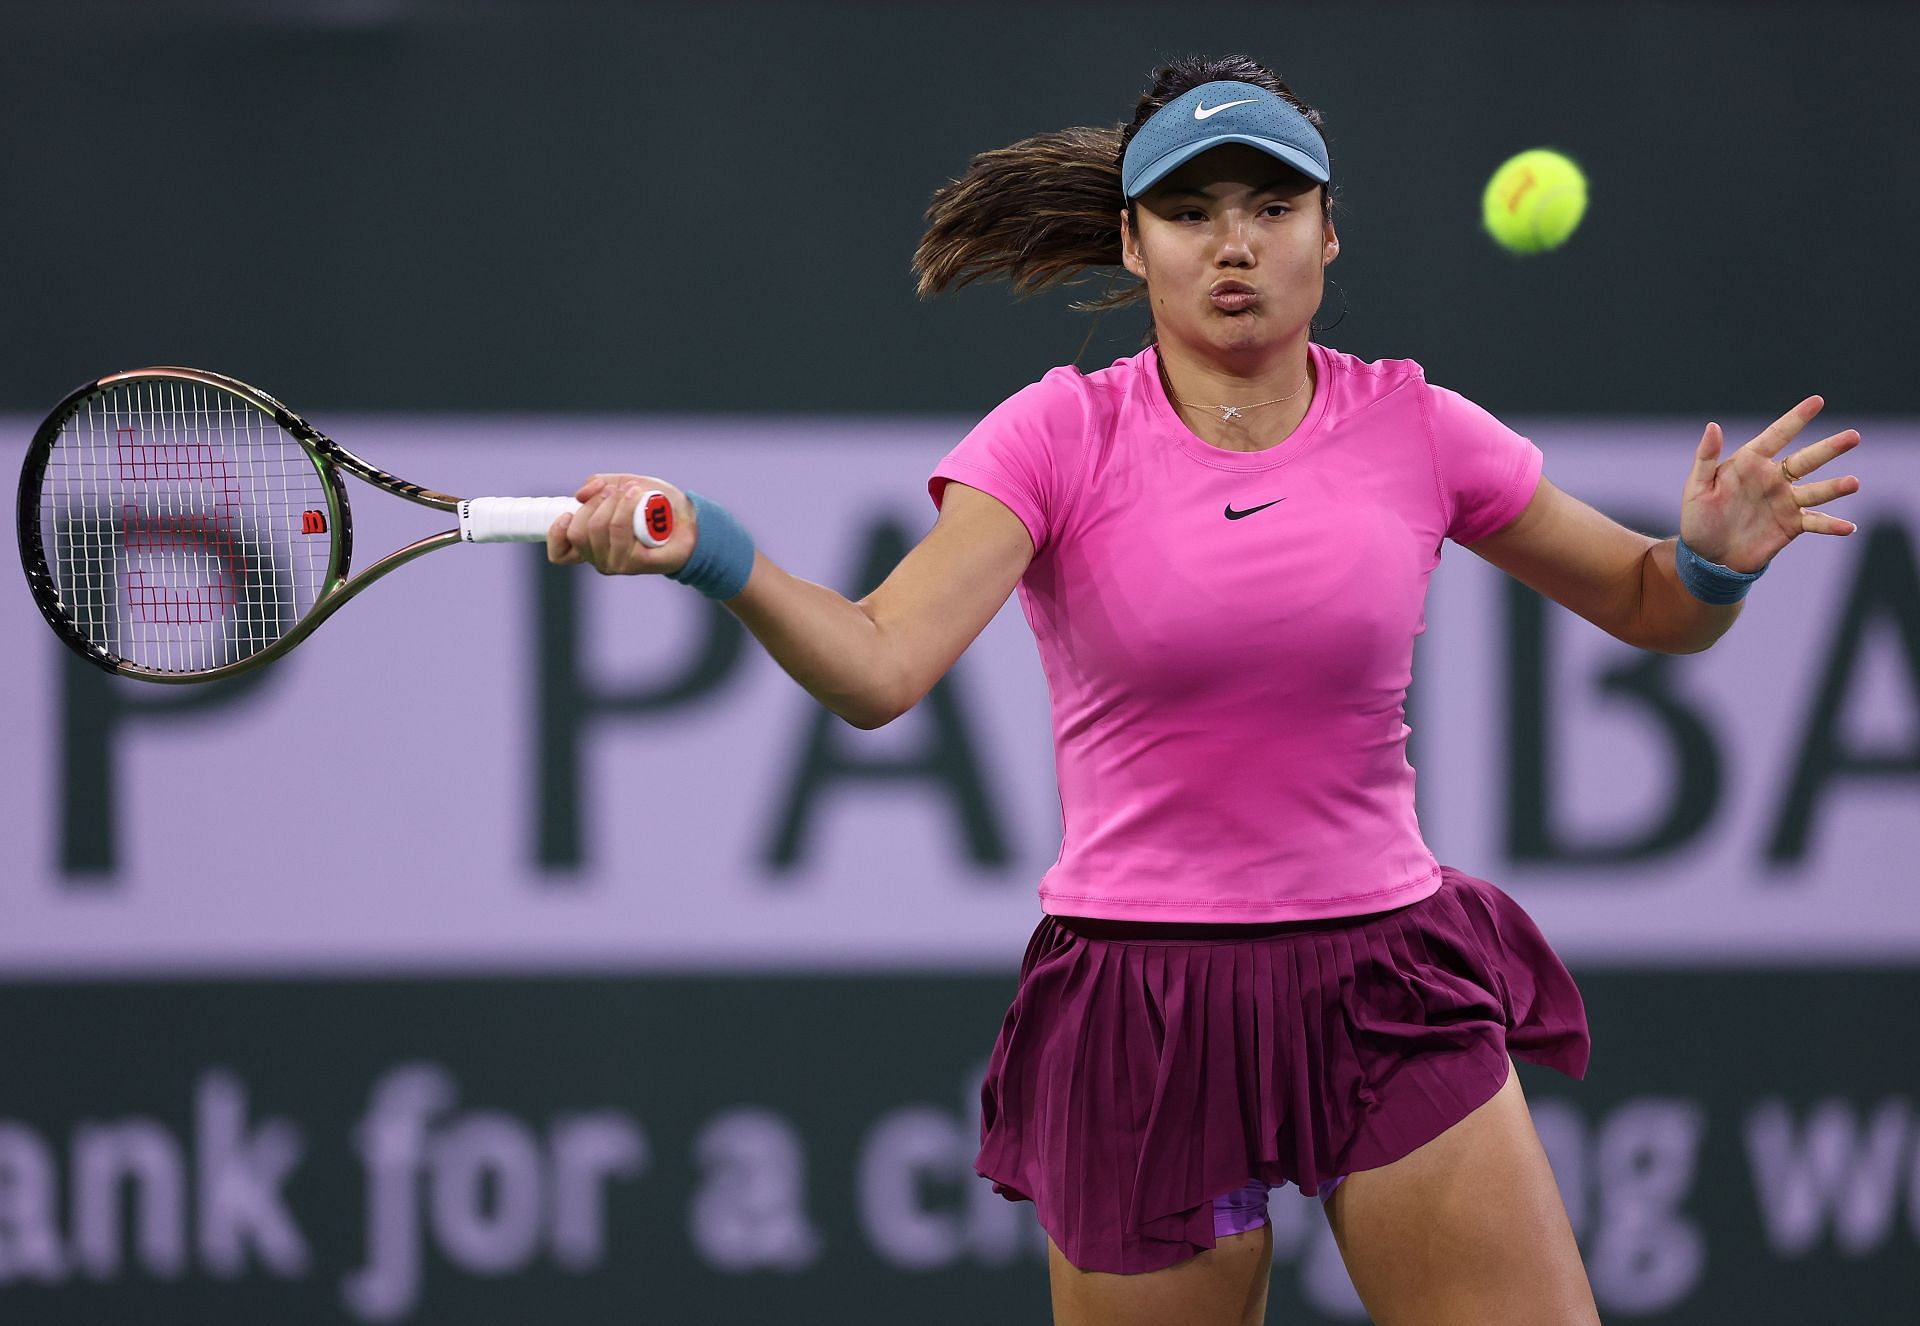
[(329, 459)]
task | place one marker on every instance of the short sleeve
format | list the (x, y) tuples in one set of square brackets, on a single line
[(1026, 452), (1487, 472)]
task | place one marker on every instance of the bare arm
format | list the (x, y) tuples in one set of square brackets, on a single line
[(869, 662), (873, 660), (1739, 512), (1621, 581)]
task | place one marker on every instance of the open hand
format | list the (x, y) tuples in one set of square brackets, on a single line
[(1742, 512)]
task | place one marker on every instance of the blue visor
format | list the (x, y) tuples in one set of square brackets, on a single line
[(1216, 113)]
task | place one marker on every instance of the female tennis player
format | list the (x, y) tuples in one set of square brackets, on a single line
[(1250, 970)]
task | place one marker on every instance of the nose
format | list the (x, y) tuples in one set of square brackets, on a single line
[(1236, 247)]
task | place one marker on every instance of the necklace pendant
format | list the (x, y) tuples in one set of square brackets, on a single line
[(1229, 412)]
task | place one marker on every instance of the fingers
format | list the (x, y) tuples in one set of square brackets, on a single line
[(601, 532), (1783, 430), (599, 483), (560, 549), (1706, 456), (620, 540), (579, 533), (1810, 458), (1819, 522), (599, 514), (1819, 494)]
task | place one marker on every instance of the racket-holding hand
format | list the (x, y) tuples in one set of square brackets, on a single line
[(601, 533), (1742, 511)]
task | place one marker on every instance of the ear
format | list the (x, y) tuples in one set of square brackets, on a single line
[(1130, 253), (1330, 249)]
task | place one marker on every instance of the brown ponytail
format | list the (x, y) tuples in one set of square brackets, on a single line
[(1047, 208), (1035, 213)]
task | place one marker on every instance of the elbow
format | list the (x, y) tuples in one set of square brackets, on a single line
[(865, 710), (872, 709), (867, 721), (1660, 642), (1696, 646), (891, 705), (873, 716), (1679, 647), (1702, 635), (1700, 644)]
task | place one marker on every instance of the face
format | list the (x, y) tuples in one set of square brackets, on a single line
[(1232, 246)]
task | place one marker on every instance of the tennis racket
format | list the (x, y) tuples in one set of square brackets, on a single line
[(177, 525)]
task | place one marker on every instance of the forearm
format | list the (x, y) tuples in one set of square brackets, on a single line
[(824, 641), (1671, 620)]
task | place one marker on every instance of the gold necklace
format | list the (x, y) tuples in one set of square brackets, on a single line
[(1234, 411)]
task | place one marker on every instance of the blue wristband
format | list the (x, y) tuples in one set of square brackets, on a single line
[(1711, 582), (722, 551)]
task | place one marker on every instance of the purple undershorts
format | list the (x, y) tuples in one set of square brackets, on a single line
[(1246, 1208)]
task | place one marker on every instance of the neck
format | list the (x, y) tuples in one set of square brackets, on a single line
[(1197, 385)]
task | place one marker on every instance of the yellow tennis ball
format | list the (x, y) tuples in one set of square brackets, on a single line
[(1534, 201)]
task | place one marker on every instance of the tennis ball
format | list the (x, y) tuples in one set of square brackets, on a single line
[(1534, 201)]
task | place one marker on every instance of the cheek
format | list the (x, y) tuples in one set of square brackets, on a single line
[(1170, 265)]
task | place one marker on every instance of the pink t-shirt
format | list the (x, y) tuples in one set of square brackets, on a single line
[(1228, 636)]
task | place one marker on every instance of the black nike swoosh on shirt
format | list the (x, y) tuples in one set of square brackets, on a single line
[(1236, 515)]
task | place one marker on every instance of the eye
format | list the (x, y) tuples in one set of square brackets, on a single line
[(1275, 209)]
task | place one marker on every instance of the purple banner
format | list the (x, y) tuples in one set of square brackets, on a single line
[(438, 780)]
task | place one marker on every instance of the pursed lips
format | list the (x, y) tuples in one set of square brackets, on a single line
[(1232, 296)]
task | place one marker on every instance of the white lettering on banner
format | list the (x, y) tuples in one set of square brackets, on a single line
[(486, 1190), (240, 1174), (1631, 801), (590, 1151), (404, 1138), (483, 1146), (29, 1237), (1625, 1179), (1833, 1170), (143, 1151), (906, 1153), (241, 1177), (1646, 1255), (391, 1141), (750, 1211), (901, 1151)]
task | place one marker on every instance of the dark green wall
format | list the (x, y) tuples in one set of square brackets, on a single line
[(1766, 1183), (672, 207)]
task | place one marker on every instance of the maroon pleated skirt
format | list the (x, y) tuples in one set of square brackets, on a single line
[(1144, 1070)]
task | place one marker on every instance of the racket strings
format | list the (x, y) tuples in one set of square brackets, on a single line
[(184, 528)]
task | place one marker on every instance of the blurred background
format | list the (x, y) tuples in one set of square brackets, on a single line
[(529, 947)]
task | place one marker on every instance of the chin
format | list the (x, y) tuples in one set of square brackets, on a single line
[(1241, 333)]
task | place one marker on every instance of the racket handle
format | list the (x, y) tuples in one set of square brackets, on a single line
[(525, 519)]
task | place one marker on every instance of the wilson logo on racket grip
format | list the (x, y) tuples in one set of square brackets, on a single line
[(660, 516)]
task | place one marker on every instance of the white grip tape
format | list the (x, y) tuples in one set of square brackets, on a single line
[(525, 519)]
